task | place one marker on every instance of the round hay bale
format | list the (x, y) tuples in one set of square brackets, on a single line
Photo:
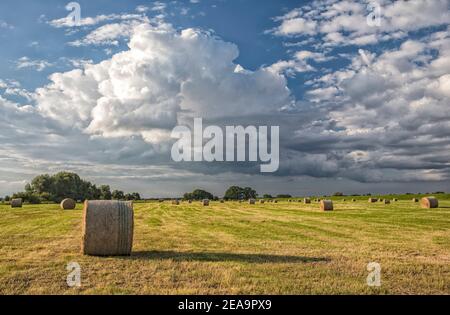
[(387, 201), (326, 205), (175, 202), (306, 200), (372, 200), (429, 202), (343, 200), (275, 201), (107, 228), (261, 201), (251, 201), (68, 204), (16, 203), (222, 201), (189, 201), (161, 200), (353, 200), (415, 200), (205, 202)]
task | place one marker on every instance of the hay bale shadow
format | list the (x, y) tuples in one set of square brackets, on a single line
[(222, 257)]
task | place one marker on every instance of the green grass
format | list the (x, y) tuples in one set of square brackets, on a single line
[(232, 248)]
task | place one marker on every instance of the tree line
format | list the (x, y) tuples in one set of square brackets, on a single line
[(55, 188)]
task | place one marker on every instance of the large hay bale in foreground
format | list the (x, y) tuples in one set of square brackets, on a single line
[(205, 202), (68, 204), (372, 200), (107, 228), (251, 201), (326, 205), (16, 203), (306, 200), (429, 202)]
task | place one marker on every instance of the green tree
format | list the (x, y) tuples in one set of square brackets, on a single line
[(118, 195), (198, 194), (105, 192), (236, 193)]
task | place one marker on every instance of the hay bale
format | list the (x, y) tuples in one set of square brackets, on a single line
[(205, 202), (306, 200), (343, 200), (415, 200), (222, 201), (275, 201), (16, 203), (251, 201), (387, 201), (372, 200), (429, 202), (394, 199), (161, 200), (68, 204), (107, 228), (175, 202), (326, 205), (353, 200), (189, 201), (261, 201)]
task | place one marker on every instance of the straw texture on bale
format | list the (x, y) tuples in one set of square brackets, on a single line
[(429, 202), (68, 204), (371, 200), (306, 200), (205, 202), (107, 228), (251, 201), (326, 205), (16, 203)]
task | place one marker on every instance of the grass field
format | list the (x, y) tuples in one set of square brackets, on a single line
[(232, 248)]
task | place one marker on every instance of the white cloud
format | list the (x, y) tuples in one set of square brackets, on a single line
[(164, 74), (38, 65)]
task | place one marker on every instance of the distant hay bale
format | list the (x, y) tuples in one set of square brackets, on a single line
[(275, 201), (205, 202), (175, 202), (394, 199), (107, 228), (68, 204), (415, 200), (353, 200), (343, 199), (429, 202), (306, 200), (387, 201), (381, 200), (16, 203), (326, 205), (261, 201), (161, 200), (372, 200), (251, 201), (189, 201), (222, 201)]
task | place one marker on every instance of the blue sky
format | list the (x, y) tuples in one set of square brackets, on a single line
[(361, 106)]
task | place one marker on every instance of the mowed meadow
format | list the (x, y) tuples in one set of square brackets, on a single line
[(235, 248)]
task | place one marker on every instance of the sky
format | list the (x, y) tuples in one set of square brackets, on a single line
[(359, 89)]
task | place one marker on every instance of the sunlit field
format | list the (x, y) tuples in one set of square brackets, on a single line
[(236, 248)]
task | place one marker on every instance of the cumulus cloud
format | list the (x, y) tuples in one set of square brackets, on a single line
[(164, 74), (345, 22)]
